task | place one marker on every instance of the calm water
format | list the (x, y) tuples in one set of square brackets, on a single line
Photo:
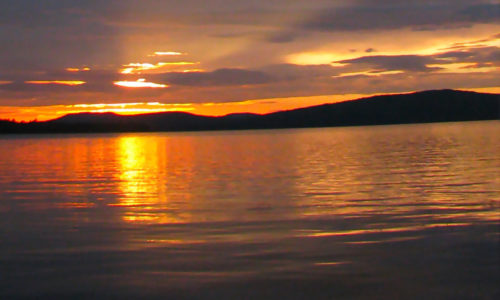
[(360, 212)]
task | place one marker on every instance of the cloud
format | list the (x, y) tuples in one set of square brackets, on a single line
[(282, 37), (468, 57), (481, 13), (421, 15), (42, 86), (44, 39), (287, 72), (414, 63), (458, 68), (220, 77), (473, 54), (377, 15), (95, 80)]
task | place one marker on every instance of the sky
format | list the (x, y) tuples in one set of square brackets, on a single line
[(215, 57)]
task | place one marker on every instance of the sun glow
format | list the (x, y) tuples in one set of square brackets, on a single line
[(436, 47), (126, 108), (140, 83), (167, 53), (122, 105), (315, 58)]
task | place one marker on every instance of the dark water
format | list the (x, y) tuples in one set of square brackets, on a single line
[(406, 211)]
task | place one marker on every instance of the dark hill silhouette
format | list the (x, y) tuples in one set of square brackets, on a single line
[(419, 107), (89, 118)]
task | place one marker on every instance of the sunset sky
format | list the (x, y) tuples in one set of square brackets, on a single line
[(220, 56)]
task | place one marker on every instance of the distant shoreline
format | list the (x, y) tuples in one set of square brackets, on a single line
[(229, 129), (419, 107)]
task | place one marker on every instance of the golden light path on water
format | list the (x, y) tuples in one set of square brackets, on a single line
[(143, 174)]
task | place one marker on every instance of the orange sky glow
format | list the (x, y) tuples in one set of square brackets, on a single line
[(262, 106), (43, 113)]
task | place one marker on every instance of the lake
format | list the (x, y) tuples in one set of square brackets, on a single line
[(400, 211)]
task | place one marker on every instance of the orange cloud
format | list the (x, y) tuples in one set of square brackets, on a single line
[(77, 69), (62, 82), (369, 73)]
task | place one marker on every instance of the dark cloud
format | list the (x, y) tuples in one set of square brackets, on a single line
[(456, 55), (28, 87), (414, 63), (287, 72), (234, 35), (282, 37), (37, 35), (96, 78), (384, 83), (483, 55), (481, 13), (220, 77), (370, 15), (480, 56)]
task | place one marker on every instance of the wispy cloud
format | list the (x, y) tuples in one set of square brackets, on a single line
[(62, 82)]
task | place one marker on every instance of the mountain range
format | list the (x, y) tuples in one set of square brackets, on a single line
[(418, 107)]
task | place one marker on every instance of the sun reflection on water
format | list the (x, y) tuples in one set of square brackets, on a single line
[(143, 189)]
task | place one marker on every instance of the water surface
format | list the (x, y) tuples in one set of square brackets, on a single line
[(355, 212)]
